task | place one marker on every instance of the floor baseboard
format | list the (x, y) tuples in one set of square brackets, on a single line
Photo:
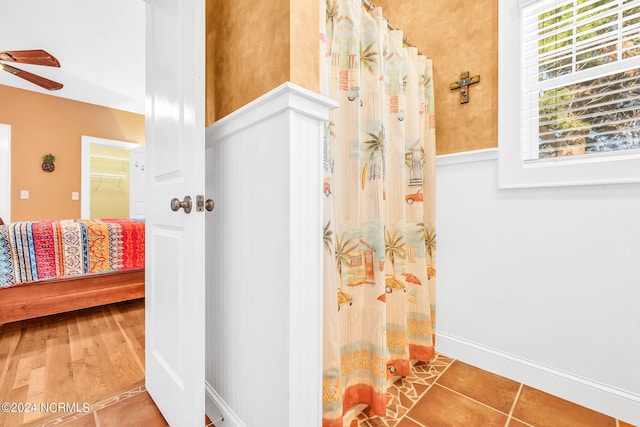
[(217, 409), (597, 396)]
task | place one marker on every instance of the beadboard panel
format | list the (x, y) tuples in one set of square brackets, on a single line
[(264, 269)]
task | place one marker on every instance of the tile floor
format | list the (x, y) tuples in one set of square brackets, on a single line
[(451, 393), (445, 392)]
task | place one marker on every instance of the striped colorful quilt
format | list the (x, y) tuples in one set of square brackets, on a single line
[(33, 251)]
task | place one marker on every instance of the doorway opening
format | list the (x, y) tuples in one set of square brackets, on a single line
[(110, 180), (5, 173)]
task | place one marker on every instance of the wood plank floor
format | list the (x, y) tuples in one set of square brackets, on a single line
[(77, 358), (93, 361)]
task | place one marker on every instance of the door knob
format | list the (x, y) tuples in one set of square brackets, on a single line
[(176, 204), (201, 205)]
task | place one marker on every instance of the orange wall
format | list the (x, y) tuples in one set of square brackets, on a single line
[(43, 123), (253, 47), (459, 36)]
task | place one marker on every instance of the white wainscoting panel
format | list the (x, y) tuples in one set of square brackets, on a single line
[(264, 275), (541, 285)]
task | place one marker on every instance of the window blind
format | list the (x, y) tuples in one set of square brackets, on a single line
[(581, 77)]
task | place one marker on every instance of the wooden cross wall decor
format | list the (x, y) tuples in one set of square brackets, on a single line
[(463, 85)]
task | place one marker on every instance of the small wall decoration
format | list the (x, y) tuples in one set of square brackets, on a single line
[(463, 84), (47, 162)]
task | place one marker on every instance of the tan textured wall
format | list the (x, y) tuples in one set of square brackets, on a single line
[(42, 124), (459, 36), (254, 46), (251, 50), (305, 44), (210, 79)]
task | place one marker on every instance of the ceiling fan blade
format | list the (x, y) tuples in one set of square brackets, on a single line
[(33, 78), (37, 57)]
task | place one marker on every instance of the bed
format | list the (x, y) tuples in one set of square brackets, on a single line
[(49, 267)]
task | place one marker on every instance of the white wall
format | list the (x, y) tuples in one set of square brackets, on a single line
[(264, 275), (541, 285)]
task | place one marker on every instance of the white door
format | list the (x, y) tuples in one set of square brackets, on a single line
[(174, 167)]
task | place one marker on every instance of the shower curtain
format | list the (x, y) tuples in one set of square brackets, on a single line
[(379, 218)]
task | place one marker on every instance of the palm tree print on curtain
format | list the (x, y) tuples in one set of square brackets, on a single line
[(379, 213)]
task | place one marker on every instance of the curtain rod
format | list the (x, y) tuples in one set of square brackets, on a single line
[(371, 7)]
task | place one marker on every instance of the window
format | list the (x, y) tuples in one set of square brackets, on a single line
[(569, 92)]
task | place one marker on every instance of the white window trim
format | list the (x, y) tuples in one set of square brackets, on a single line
[(513, 172)]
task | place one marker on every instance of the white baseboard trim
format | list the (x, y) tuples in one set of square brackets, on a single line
[(609, 400), (217, 409)]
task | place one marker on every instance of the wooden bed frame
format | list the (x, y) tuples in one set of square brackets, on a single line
[(67, 294)]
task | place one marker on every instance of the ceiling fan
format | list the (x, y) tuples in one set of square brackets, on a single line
[(37, 57)]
